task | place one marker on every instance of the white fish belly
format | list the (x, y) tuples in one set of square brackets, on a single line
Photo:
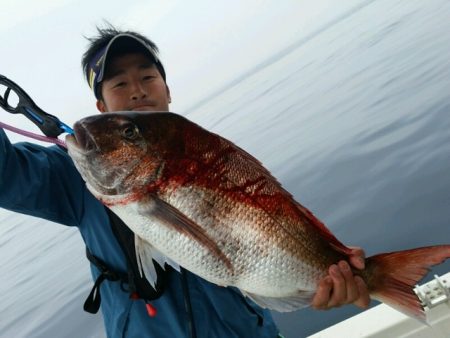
[(259, 263), (176, 245)]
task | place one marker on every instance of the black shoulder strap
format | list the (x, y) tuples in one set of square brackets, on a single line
[(92, 303), (138, 283), (138, 286)]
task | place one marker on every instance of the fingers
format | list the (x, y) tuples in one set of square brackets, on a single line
[(320, 300), (363, 300), (340, 287), (352, 290), (357, 258), (345, 290)]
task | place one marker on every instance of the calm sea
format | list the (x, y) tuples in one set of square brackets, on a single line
[(354, 120)]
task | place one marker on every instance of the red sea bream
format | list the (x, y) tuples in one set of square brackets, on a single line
[(196, 200)]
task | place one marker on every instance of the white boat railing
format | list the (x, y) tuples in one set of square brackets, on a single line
[(384, 322)]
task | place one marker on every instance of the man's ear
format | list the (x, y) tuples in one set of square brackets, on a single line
[(101, 106), (168, 94)]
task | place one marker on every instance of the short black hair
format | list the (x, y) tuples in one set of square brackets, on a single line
[(101, 40)]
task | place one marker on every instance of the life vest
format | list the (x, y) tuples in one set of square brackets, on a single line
[(131, 281)]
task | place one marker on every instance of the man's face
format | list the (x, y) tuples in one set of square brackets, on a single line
[(132, 82)]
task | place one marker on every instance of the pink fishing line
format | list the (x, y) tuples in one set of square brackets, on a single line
[(33, 135)]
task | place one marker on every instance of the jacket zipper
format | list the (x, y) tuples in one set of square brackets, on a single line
[(188, 305)]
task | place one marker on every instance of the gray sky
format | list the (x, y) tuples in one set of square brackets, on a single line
[(204, 44)]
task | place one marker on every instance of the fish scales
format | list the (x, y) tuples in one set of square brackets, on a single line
[(237, 177), (229, 174), (259, 258)]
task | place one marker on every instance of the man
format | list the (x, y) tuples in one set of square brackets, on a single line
[(125, 73)]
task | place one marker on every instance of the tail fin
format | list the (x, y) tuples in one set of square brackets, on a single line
[(391, 277)]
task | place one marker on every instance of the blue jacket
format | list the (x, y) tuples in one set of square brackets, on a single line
[(43, 182)]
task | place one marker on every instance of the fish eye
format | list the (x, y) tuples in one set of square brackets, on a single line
[(130, 132)]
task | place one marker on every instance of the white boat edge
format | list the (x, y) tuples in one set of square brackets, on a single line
[(383, 321)]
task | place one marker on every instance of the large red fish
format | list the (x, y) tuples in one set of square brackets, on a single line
[(195, 199)]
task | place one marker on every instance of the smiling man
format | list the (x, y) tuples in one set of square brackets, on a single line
[(133, 76)]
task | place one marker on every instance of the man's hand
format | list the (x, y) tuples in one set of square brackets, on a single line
[(341, 287)]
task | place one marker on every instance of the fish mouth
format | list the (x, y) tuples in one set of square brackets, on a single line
[(81, 140), (101, 179)]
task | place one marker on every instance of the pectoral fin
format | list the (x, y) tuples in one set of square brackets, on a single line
[(146, 254), (171, 217)]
